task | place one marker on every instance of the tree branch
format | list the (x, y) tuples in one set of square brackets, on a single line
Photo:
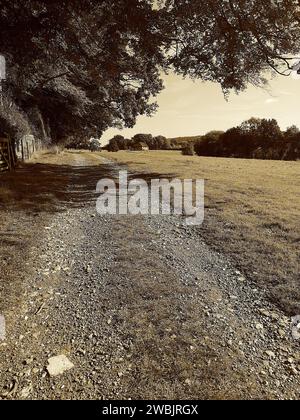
[(46, 81)]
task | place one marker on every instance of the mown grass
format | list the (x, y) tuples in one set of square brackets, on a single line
[(252, 214)]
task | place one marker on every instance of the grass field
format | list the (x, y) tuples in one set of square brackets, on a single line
[(252, 214)]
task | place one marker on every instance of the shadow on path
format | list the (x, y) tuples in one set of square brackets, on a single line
[(51, 188)]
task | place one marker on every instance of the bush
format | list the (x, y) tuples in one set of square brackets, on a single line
[(189, 150)]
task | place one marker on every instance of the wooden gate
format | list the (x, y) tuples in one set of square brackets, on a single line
[(7, 155)]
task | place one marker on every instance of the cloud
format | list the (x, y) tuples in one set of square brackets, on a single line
[(271, 101)]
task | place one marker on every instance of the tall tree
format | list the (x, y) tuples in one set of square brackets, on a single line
[(86, 65)]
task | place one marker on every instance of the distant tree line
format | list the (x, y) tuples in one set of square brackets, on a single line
[(92, 144), (154, 143), (255, 138)]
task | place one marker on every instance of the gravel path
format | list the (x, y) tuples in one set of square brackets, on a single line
[(143, 309)]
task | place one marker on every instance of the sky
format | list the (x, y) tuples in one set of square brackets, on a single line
[(188, 108)]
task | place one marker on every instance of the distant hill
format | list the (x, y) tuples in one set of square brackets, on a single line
[(179, 142)]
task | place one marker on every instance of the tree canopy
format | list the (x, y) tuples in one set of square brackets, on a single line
[(78, 67), (234, 42)]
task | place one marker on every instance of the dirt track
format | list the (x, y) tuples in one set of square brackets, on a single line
[(140, 306)]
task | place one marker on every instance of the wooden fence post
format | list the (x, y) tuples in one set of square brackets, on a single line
[(7, 154), (22, 149)]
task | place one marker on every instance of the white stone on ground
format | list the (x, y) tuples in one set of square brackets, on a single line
[(58, 365)]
